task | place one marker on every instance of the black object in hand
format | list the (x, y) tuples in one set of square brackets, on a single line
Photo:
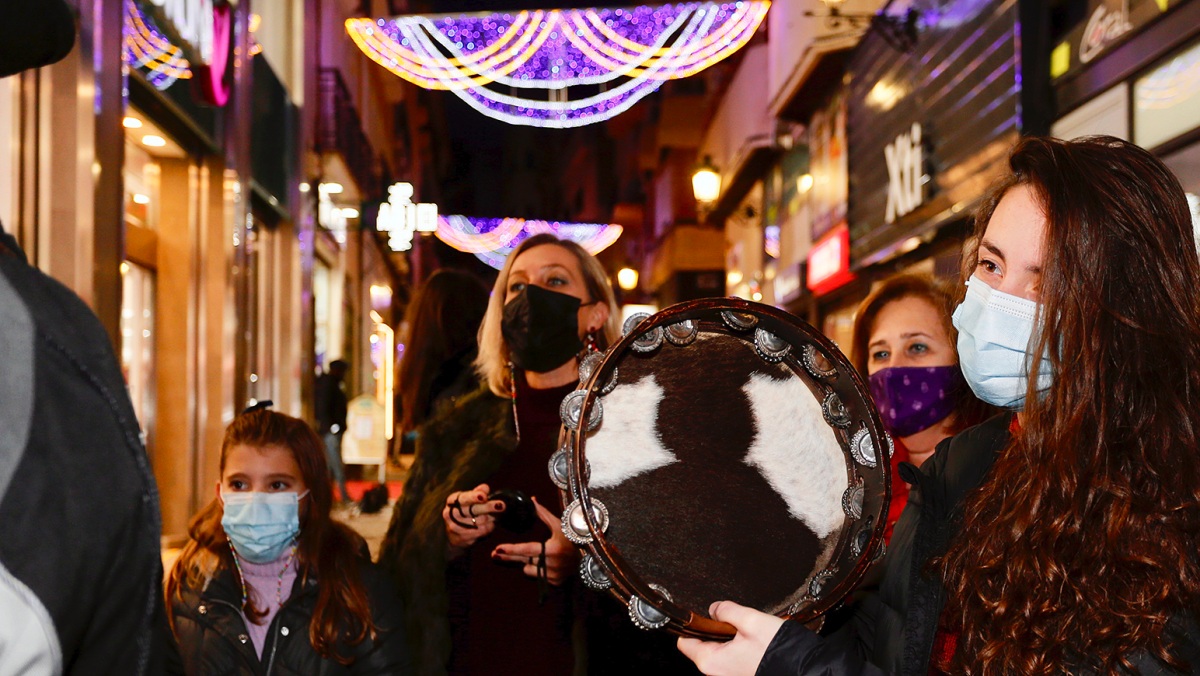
[(519, 514)]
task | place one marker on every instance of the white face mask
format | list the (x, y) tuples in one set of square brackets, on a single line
[(261, 526), (994, 330)]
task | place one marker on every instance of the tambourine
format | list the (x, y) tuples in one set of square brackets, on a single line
[(722, 449)]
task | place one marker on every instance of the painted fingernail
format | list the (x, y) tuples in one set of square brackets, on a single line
[(499, 507), (498, 552)]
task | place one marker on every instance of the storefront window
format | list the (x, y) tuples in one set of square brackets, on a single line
[(1186, 165), (8, 146), (1166, 101), (262, 320), (142, 186), (137, 341), (321, 337), (151, 159)]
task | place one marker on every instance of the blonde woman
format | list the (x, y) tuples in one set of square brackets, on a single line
[(485, 593)]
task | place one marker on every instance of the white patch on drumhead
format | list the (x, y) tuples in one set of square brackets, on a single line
[(627, 444), (797, 452)]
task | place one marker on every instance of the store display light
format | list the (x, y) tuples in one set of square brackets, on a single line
[(518, 67), (154, 141), (331, 188), (131, 123)]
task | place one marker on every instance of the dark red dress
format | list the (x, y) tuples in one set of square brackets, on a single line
[(497, 624)]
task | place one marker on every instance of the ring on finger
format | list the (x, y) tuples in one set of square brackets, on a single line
[(471, 509)]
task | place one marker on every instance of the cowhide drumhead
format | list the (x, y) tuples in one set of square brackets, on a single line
[(722, 450)]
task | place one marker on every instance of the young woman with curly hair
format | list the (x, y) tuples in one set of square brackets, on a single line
[(1060, 537)]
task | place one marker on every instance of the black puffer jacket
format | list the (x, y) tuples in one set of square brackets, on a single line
[(893, 630), (212, 636)]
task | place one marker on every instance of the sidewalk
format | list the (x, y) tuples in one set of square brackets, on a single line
[(374, 526)]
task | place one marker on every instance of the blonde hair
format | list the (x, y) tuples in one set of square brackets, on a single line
[(492, 362)]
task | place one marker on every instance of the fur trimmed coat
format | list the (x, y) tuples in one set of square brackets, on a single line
[(457, 450)]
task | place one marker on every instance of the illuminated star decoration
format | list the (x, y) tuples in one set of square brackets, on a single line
[(558, 68), (492, 239), (163, 62)]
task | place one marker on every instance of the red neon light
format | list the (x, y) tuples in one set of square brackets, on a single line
[(209, 79), (829, 262)]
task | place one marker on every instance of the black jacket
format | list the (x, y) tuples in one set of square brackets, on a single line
[(80, 558), (330, 405), (893, 630), (212, 638)]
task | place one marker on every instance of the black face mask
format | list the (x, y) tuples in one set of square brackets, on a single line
[(541, 328)]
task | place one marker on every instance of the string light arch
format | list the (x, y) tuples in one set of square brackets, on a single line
[(558, 68), (492, 239)]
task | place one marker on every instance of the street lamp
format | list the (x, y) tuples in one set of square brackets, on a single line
[(627, 279), (706, 182)]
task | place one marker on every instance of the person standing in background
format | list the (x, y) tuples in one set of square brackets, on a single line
[(331, 419), (438, 363), (904, 347)]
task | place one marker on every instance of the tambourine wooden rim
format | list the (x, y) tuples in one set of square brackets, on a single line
[(650, 606)]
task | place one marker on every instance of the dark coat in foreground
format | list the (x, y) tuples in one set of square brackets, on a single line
[(80, 558), (893, 630), (212, 636)]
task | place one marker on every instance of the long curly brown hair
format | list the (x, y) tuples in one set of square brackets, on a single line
[(1082, 544)]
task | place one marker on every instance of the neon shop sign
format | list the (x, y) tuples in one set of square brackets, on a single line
[(202, 29)]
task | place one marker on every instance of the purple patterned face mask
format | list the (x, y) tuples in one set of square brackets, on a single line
[(912, 399)]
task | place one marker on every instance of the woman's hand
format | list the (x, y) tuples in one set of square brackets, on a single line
[(740, 655), (468, 517), (562, 557)]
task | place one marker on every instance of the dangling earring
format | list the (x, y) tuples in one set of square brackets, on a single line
[(512, 393), (589, 343)]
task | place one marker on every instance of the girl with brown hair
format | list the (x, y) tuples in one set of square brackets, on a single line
[(268, 580), (1061, 536)]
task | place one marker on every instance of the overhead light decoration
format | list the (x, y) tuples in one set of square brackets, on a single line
[(148, 48), (493, 239), (558, 68), (400, 218)]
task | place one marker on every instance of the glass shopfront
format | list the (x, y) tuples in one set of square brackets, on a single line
[(149, 151)]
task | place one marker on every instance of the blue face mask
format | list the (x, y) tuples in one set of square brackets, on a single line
[(261, 526), (994, 330)]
